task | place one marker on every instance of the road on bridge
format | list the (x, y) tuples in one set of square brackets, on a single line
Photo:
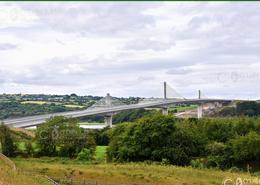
[(39, 119)]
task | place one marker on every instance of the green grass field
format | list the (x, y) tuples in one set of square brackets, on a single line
[(127, 173), (185, 108), (47, 102), (36, 102), (100, 154)]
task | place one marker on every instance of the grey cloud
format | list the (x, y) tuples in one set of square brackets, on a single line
[(179, 71), (2, 76), (7, 46), (237, 47), (231, 19), (154, 64), (146, 78), (144, 44), (93, 19), (197, 21)]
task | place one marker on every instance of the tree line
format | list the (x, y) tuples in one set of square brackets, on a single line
[(58, 136), (214, 142)]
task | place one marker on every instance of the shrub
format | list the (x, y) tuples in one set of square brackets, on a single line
[(216, 148), (165, 162), (29, 148), (85, 155), (197, 163)]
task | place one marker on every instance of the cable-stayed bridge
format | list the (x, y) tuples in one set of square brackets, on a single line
[(108, 106)]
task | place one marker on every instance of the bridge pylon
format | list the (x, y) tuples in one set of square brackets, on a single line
[(164, 90), (108, 99), (108, 117), (165, 109)]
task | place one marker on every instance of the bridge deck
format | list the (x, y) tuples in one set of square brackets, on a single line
[(36, 120)]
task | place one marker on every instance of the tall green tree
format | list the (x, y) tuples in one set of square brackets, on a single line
[(8, 147), (246, 148), (63, 134)]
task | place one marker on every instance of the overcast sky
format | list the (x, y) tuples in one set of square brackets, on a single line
[(129, 49)]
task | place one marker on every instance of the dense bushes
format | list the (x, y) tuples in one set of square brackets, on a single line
[(249, 108), (217, 142), (246, 147), (154, 138)]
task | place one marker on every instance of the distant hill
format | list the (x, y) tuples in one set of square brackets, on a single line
[(19, 105)]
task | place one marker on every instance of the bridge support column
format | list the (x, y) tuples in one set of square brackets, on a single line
[(109, 120), (199, 111), (200, 107), (165, 111)]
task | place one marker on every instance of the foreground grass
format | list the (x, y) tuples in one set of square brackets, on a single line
[(10, 177), (128, 174)]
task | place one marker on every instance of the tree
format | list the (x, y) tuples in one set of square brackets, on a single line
[(73, 139), (8, 147), (65, 134), (85, 155), (248, 108), (29, 148), (46, 135), (246, 148)]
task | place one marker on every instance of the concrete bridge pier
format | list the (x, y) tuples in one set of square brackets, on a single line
[(199, 111), (109, 120), (165, 110)]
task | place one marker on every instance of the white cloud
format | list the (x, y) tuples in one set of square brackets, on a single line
[(14, 16), (129, 49)]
